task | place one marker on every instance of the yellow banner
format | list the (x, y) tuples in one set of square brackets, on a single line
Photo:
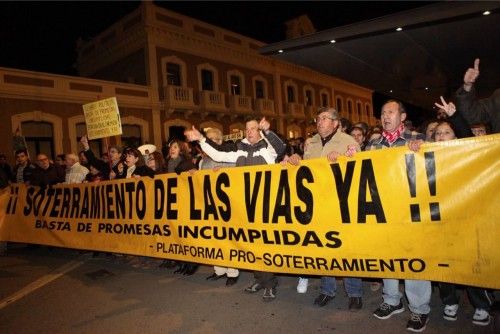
[(389, 213), (102, 118)]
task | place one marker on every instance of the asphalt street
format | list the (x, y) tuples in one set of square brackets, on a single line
[(45, 290)]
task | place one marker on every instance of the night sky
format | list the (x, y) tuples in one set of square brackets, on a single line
[(41, 36)]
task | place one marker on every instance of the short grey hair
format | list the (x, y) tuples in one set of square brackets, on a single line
[(334, 114), (72, 156)]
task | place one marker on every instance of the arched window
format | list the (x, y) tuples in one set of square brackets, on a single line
[(135, 131), (174, 71), (236, 82), (339, 102), (291, 91), (325, 98), (39, 138), (358, 110), (131, 135), (27, 123), (208, 77), (174, 128), (309, 96), (260, 87), (349, 109)]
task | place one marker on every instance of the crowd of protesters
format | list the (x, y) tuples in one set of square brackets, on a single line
[(334, 137)]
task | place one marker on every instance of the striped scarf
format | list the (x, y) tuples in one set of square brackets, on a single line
[(391, 137)]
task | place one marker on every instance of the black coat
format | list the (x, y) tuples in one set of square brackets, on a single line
[(47, 177)]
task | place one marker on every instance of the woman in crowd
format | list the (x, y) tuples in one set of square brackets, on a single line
[(156, 162), (135, 166), (179, 160), (480, 298)]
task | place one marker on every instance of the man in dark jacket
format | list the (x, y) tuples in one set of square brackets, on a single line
[(478, 111), (46, 173), (24, 168)]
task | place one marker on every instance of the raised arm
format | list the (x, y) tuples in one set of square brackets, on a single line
[(462, 128), (217, 155), (474, 111)]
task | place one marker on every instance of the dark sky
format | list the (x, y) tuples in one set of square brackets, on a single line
[(41, 36)]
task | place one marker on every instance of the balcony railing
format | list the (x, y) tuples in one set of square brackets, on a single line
[(240, 104), (265, 107), (295, 110), (179, 97), (212, 100)]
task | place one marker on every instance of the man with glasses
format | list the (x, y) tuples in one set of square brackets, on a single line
[(46, 173), (330, 142), (114, 156)]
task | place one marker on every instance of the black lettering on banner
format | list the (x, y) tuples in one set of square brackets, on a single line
[(267, 196), (95, 202), (120, 201), (411, 174), (12, 204), (333, 237), (343, 185), (375, 206), (75, 207), (305, 195), (253, 235), (194, 214), (38, 200), (102, 213), (171, 198), (430, 170), (110, 213), (84, 227), (223, 180), (159, 192), (251, 200), (50, 193), (210, 208), (414, 268), (29, 201), (140, 200), (290, 237), (85, 204), (66, 202), (54, 212), (130, 188), (311, 238), (282, 204)]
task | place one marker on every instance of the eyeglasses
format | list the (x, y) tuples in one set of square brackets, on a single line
[(42, 160), (322, 118)]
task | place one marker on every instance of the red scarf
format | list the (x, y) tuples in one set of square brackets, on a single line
[(391, 137)]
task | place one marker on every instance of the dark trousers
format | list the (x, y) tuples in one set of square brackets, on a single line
[(479, 297), (266, 279)]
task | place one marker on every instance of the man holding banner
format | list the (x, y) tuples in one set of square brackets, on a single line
[(260, 146), (330, 142), (418, 292)]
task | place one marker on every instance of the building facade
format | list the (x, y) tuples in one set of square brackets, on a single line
[(170, 72)]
